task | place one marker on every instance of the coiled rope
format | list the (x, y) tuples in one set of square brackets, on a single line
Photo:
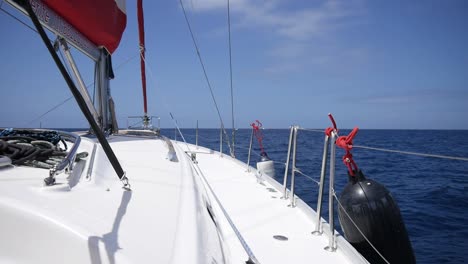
[(38, 149)]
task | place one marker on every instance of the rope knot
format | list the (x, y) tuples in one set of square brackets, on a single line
[(328, 131), (346, 143), (258, 134)]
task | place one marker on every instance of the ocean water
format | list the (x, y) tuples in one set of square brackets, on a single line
[(431, 192)]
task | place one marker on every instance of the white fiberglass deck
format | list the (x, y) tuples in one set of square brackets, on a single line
[(170, 216), (96, 221), (259, 213)]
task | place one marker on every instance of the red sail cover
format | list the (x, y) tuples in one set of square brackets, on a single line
[(101, 21)]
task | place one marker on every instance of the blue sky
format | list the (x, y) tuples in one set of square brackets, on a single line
[(373, 64)]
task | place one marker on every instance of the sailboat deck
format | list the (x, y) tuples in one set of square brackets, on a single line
[(259, 213), (97, 221), (164, 219)]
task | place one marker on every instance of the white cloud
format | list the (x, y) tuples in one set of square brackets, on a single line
[(295, 25), (303, 23)]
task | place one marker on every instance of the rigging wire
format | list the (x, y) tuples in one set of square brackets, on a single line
[(307, 176), (61, 55), (87, 86), (134, 124), (352, 221), (180, 132), (205, 74), (230, 75), (412, 153), (153, 79), (50, 110), (80, 101), (61, 103), (398, 151), (19, 20), (164, 102)]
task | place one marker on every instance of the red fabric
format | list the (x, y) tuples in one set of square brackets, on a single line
[(101, 21), (141, 31)]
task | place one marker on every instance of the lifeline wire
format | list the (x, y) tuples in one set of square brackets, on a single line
[(232, 91), (412, 153), (338, 201), (398, 151), (206, 75), (307, 176), (253, 151), (312, 130), (355, 225)]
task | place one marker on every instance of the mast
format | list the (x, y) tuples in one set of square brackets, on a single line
[(141, 31)]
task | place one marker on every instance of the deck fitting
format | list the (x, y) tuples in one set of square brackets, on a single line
[(280, 238)]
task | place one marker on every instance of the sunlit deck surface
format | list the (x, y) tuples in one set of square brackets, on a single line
[(260, 213), (164, 219)]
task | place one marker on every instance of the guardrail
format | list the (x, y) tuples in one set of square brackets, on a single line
[(328, 144)]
